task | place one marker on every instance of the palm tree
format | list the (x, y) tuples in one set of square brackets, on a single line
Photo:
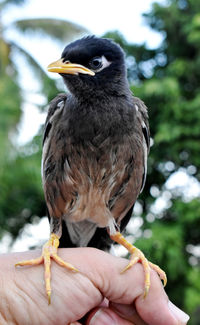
[(20, 189)]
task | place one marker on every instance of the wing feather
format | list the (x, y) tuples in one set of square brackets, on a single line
[(56, 104), (142, 115)]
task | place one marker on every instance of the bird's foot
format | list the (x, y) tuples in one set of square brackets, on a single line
[(49, 251), (138, 256)]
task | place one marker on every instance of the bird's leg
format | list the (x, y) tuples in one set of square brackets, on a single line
[(50, 251), (138, 256)]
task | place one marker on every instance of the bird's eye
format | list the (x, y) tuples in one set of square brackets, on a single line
[(96, 63)]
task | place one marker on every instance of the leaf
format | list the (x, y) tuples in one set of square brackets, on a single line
[(33, 63), (4, 54), (48, 85), (60, 29), (11, 2)]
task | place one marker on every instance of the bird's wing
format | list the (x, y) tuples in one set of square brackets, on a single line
[(142, 117), (55, 105), (134, 158)]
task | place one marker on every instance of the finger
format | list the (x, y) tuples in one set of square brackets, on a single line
[(106, 316), (156, 308), (104, 271), (99, 277), (73, 294)]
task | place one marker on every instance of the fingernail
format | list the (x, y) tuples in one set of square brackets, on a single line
[(102, 318), (180, 315)]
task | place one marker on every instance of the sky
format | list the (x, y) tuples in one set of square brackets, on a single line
[(97, 17)]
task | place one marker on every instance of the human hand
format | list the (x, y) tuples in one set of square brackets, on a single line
[(23, 300)]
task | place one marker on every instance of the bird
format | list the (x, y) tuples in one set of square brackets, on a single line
[(94, 161)]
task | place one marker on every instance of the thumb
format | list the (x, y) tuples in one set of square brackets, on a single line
[(128, 288), (129, 312)]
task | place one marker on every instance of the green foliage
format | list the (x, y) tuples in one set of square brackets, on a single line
[(168, 80), (171, 92), (10, 115), (61, 30), (192, 293), (167, 247), (21, 195), (10, 105), (17, 2)]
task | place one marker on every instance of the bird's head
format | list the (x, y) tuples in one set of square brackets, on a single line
[(92, 64)]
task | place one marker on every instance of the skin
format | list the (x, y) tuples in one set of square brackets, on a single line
[(23, 300)]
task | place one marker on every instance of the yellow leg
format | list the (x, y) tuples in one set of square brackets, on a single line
[(138, 256), (49, 250)]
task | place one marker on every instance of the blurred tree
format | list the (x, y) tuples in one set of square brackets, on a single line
[(21, 194), (168, 80)]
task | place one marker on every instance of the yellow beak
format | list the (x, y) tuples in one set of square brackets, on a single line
[(68, 68)]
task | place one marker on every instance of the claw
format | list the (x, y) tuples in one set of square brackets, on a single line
[(49, 250), (136, 256), (130, 264), (63, 263), (49, 298), (146, 290), (35, 261), (160, 272)]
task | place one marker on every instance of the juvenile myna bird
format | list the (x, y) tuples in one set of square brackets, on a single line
[(95, 148)]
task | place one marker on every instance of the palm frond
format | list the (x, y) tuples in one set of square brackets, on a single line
[(48, 86), (59, 29), (11, 2), (33, 63), (4, 54)]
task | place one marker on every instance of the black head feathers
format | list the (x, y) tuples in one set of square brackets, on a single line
[(103, 57), (83, 50)]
